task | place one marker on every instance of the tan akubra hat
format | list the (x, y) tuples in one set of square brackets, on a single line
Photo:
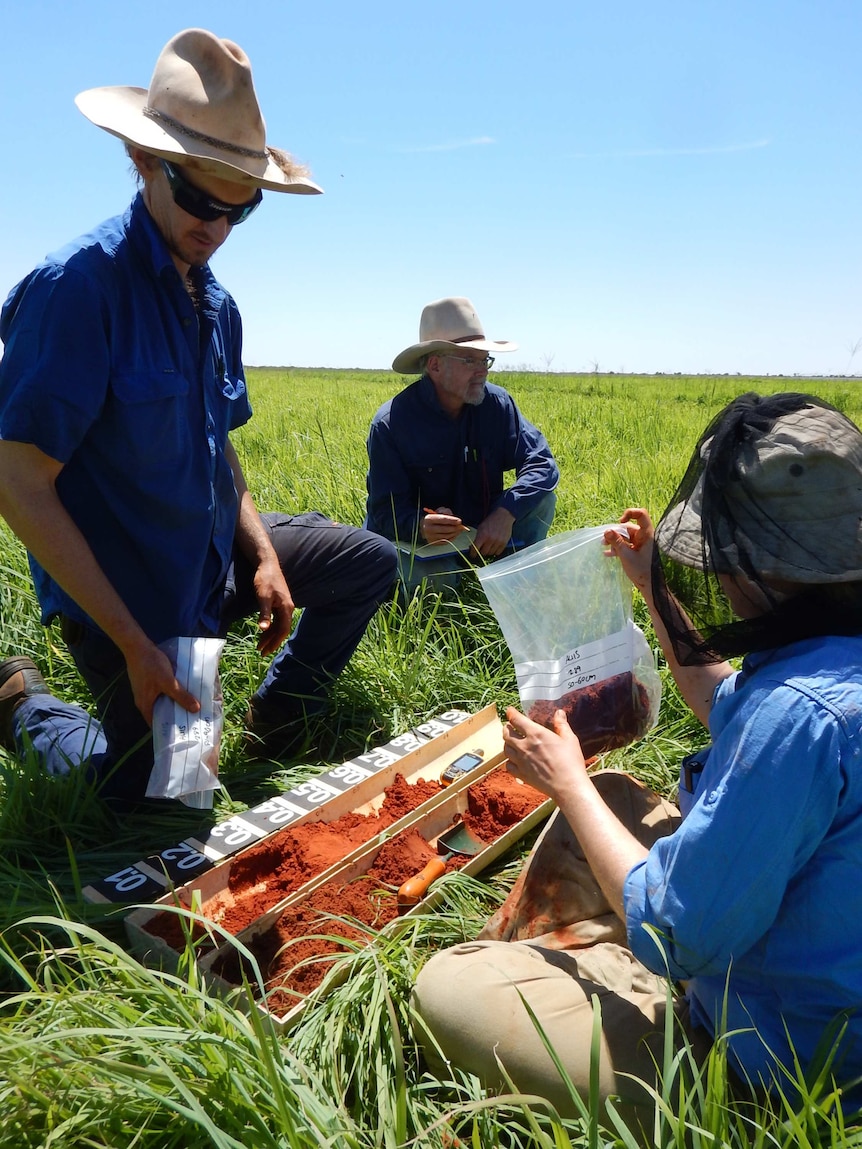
[(201, 109), (446, 325)]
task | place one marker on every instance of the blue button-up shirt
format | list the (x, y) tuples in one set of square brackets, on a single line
[(419, 456), (757, 897), (110, 370)]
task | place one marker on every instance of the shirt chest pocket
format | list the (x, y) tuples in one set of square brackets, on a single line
[(426, 459), (149, 413), (690, 771)]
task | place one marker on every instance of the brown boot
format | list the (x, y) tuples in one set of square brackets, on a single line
[(19, 679)]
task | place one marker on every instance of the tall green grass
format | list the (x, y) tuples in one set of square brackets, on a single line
[(95, 1050)]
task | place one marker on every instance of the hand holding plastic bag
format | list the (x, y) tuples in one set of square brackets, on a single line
[(565, 609), (186, 746)]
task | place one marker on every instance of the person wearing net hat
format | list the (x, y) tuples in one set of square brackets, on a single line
[(740, 913), (120, 385)]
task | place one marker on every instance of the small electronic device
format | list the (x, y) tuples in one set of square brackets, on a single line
[(461, 765)]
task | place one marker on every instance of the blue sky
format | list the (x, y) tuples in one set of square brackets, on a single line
[(663, 187)]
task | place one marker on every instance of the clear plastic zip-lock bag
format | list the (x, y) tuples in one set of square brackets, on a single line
[(565, 609)]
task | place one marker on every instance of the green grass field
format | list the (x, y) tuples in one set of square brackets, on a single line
[(97, 1051)]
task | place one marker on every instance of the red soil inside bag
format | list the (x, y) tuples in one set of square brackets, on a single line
[(604, 715), (496, 803), (266, 873)]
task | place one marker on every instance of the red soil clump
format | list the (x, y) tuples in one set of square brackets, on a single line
[(264, 874), (605, 715), (495, 803), (369, 899), (498, 801)]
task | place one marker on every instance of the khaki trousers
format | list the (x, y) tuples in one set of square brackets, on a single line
[(556, 945)]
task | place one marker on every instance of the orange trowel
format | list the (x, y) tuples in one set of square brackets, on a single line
[(457, 840)]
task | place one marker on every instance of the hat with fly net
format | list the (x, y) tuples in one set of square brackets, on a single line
[(773, 497)]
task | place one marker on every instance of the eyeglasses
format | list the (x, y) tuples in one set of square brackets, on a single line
[(201, 205), (486, 362)]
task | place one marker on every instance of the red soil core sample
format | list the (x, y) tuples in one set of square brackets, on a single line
[(267, 872), (605, 715), (495, 803), (498, 801)]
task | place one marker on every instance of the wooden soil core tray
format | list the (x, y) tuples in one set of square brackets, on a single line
[(294, 948), (295, 848), (344, 857)]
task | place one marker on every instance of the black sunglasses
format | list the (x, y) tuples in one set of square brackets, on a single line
[(201, 205)]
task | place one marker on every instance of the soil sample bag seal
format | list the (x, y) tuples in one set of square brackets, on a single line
[(565, 608)]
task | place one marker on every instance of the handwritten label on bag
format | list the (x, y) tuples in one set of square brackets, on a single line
[(584, 665)]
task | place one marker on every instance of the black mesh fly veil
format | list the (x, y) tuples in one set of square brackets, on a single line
[(726, 529)]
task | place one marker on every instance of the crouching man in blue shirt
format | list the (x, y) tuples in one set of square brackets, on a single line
[(746, 903), (438, 452), (121, 382)]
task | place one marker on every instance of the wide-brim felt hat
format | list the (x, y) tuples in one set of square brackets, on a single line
[(446, 325), (201, 109), (796, 502)]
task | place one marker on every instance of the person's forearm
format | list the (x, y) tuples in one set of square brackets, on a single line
[(396, 512), (633, 543), (30, 505), (552, 761), (394, 506), (608, 846), (252, 537), (534, 480), (536, 469), (274, 600), (696, 683)]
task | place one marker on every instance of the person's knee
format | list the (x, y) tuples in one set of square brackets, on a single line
[(644, 813), (534, 526), (489, 1007), (435, 574), (377, 558), (385, 554), (470, 998), (450, 1001), (367, 565)]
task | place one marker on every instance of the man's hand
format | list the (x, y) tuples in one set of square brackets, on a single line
[(494, 533), (440, 526), (151, 674), (550, 760), (275, 603)]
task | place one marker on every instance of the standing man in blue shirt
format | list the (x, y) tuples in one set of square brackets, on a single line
[(438, 451), (121, 381)]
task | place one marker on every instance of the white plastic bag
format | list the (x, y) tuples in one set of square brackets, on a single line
[(185, 745), (565, 609)]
